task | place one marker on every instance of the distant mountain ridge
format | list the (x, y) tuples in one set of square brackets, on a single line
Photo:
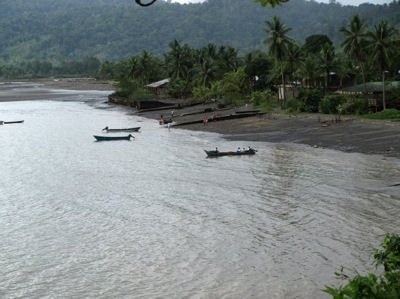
[(116, 29)]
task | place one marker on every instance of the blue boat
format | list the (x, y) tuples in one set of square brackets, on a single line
[(112, 138)]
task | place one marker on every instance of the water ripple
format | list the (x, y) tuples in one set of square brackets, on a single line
[(154, 218)]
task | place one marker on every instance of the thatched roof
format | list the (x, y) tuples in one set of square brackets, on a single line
[(371, 87)]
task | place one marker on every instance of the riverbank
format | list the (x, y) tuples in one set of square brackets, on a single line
[(48, 88), (350, 134)]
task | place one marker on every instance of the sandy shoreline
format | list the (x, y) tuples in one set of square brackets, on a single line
[(352, 134)]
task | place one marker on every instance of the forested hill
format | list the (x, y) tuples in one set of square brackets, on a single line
[(115, 29)]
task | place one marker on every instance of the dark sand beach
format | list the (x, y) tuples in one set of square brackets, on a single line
[(351, 134)]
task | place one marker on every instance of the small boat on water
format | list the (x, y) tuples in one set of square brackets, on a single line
[(108, 130), (13, 122), (112, 138), (217, 153)]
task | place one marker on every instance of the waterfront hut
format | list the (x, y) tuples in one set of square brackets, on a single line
[(160, 87)]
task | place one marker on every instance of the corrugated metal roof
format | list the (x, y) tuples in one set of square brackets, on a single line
[(158, 83)]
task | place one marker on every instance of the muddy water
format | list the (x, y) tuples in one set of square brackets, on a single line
[(154, 218)]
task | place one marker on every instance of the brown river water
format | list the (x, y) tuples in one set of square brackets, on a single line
[(154, 218)]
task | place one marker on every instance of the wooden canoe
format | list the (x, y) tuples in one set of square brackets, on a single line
[(108, 130), (215, 153), (112, 138), (13, 122)]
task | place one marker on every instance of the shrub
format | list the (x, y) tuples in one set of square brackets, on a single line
[(178, 88), (234, 98), (356, 106), (371, 285), (393, 98), (330, 103), (309, 100), (293, 105), (141, 94), (264, 99), (202, 93), (392, 114)]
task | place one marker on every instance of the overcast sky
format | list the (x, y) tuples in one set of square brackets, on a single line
[(345, 2)]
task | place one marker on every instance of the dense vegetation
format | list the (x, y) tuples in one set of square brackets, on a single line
[(360, 52), (48, 30), (366, 53), (385, 285)]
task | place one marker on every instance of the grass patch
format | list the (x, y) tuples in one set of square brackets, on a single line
[(390, 114)]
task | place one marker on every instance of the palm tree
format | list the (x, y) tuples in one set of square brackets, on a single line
[(382, 42), (294, 58), (205, 71), (327, 61), (354, 42), (177, 60), (344, 69), (228, 59), (271, 2), (309, 70), (278, 43), (133, 64)]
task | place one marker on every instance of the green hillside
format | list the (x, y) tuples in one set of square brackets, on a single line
[(116, 29)]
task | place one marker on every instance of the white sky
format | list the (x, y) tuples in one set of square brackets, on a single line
[(345, 2)]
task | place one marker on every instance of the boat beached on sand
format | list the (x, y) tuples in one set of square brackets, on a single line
[(217, 153), (108, 130), (112, 138)]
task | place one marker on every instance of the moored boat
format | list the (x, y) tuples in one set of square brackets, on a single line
[(111, 138), (135, 129), (13, 122), (217, 153)]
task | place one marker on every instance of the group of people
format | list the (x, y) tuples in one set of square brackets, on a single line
[(243, 150)]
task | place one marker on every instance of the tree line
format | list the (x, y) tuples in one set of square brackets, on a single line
[(366, 53), (55, 31)]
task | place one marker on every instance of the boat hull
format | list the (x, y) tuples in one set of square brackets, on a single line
[(230, 153), (13, 122), (107, 138), (122, 130)]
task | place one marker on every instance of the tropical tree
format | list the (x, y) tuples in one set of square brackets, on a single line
[(314, 43), (144, 68), (327, 61), (382, 42), (308, 70), (294, 58), (205, 71), (344, 68), (257, 65), (273, 3), (179, 60), (354, 42), (278, 42), (228, 59)]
